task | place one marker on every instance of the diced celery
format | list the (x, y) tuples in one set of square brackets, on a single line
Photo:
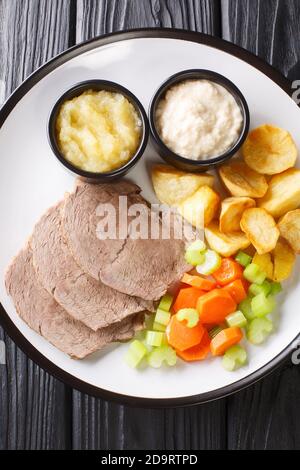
[(194, 253), (190, 315), (154, 338), (276, 288), (197, 245), (163, 354), (259, 329), (213, 332), (234, 358), (237, 319), (254, 274), (165, 302), (194, 258), (159, 327), (243, 259), (262, 305), (264, 288), (245, 308), (162, 317), (211, 263), (136, 352)]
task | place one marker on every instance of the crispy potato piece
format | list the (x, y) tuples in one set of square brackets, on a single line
[(225, 245), (270, 150), (284, 261), (201, 208), (283, 194), (173, 186), (289, 228), (265, 263), (260, 228), (240, 180), (232, 210)]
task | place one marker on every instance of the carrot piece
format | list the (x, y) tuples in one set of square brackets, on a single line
[(199, 282), (228, 272), (224, 340), (246, 284), (236, 290), (180, 337), (214, 306), (187, 298), (198, 352)]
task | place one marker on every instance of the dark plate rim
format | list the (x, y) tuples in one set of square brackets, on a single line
[(5, 320)]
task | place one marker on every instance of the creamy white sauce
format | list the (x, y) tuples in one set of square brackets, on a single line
[(198, 119)]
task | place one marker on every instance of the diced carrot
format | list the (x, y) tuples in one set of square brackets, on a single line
[(181, 337), (187, 298), (228, 272), (236, 290), (224, 340), (214, 306), (198, 352), (199, 282), (246, 284)]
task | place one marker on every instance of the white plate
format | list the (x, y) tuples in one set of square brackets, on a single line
[(31, 180)]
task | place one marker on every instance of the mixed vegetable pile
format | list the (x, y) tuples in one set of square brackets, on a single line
[(219, 303)]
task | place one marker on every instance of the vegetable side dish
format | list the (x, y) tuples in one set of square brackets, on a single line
[(252, 234), (215, 304)]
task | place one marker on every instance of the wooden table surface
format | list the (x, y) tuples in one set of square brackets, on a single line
[(37, 411)]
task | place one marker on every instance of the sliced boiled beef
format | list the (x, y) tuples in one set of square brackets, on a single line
[(43, 314), (84, 298), (139, 267)]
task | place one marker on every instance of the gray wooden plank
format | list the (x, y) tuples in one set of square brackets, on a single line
[(34, 407), (96, 17), (269, 28), (266, 416), (96, 423)]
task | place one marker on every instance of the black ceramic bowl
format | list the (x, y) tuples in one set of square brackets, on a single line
[(76, 91), (185, 163)]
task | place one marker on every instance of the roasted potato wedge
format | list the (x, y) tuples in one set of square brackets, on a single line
[(201, 208), (260, 228), (269, 150), (265, 263), (283, 194), (225, 245), (173, 186), (232, 210), (289, 228), (284, 261), (242, 181)]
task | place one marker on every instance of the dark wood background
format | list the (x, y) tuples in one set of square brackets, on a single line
[(37, 411)]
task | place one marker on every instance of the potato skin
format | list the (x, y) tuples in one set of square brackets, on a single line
[(284, 261), (242, 181), (201, 208), (172, 186), (283, 194), (289, 227), (232, 209), (269, 150), (225, 245), (260, 228)]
